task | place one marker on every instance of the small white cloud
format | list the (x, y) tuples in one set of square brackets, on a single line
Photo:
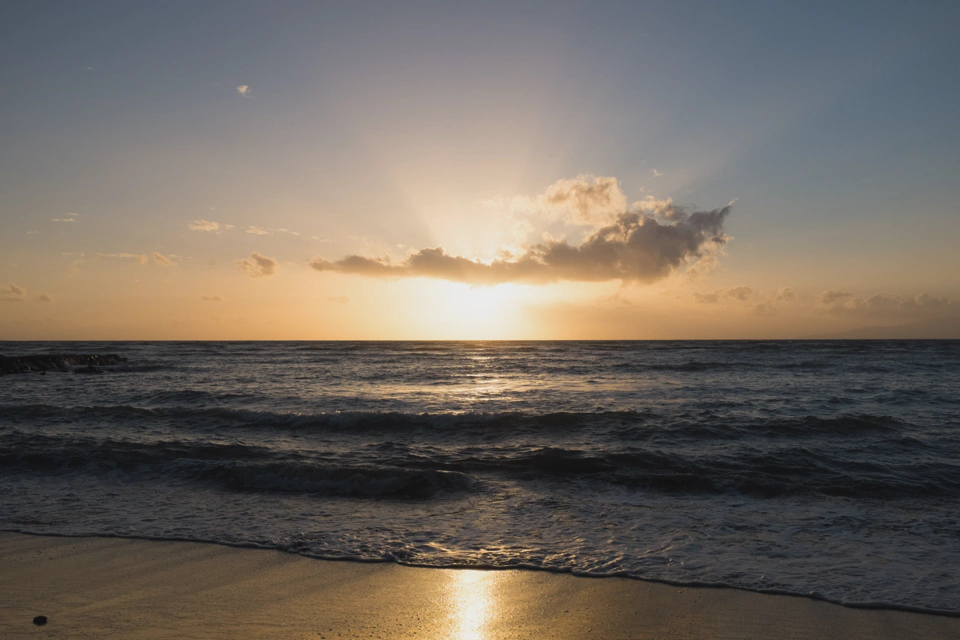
[(163, 261), (12, 293), (204, 225), (245, 91), (656, 173), (139, 257), (257, 266), (69, 217), (32, 233), (267, 231)]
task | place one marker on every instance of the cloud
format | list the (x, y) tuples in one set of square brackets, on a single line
[(245, 91), (843, 303), (266, 231), (584, 200), (32, 233), (588, 199), (635, 248), (205, 225), (338, 299), (759, 303), (69, 217), (12, 293), (656, 173), (786, 294), (139, 257), (74, 269), (211, 298), (42, 297), (737, 293), (163, 260), (257, 266)]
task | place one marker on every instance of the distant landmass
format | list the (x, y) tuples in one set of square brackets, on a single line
[(935, 329)]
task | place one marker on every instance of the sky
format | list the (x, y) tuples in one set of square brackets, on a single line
[(443, 170)]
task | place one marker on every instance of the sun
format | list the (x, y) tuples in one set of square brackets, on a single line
[(458, 311)]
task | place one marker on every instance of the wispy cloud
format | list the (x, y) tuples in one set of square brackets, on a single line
[(256, 230), (73, 270), (245, 90), (715, 297), (257, 266), (587, 199), (887, 305), (760, 303), (636, 247), (163, 261), (140, 258), (12, 293), (42, 297), (69, 217), (207, 225), (266, 231), (584, 200), (656, 173), (211, 298)]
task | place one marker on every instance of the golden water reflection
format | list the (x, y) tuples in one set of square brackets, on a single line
[(473, 597)]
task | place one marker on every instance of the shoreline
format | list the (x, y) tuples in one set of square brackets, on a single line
[(867, 606), (131, 587)]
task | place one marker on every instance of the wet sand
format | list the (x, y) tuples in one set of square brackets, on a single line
[(114, 588)]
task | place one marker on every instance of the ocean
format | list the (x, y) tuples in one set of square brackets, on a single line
[(828, 469)]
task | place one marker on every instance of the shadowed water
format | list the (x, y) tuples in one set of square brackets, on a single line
[(808, 467)]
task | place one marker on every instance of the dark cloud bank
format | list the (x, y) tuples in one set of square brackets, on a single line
[(636, 247)]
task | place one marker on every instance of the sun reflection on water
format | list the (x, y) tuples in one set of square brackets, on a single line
[(473, 598)]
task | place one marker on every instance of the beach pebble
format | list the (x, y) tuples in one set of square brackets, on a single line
[(40, 621)]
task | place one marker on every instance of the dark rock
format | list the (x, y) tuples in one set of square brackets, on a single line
[(40, 621)]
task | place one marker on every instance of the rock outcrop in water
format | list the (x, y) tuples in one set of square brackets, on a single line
[(84, 363)]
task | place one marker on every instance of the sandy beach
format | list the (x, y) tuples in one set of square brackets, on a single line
[(120, 588)]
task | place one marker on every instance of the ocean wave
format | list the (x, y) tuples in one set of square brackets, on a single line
[(232, 466), (397, 470), (366, 481), (627, 425)]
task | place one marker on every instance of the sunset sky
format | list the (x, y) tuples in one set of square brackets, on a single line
[(307, 170)]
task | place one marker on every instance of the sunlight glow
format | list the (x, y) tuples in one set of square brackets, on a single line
[(473, 596), (472, 312)]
